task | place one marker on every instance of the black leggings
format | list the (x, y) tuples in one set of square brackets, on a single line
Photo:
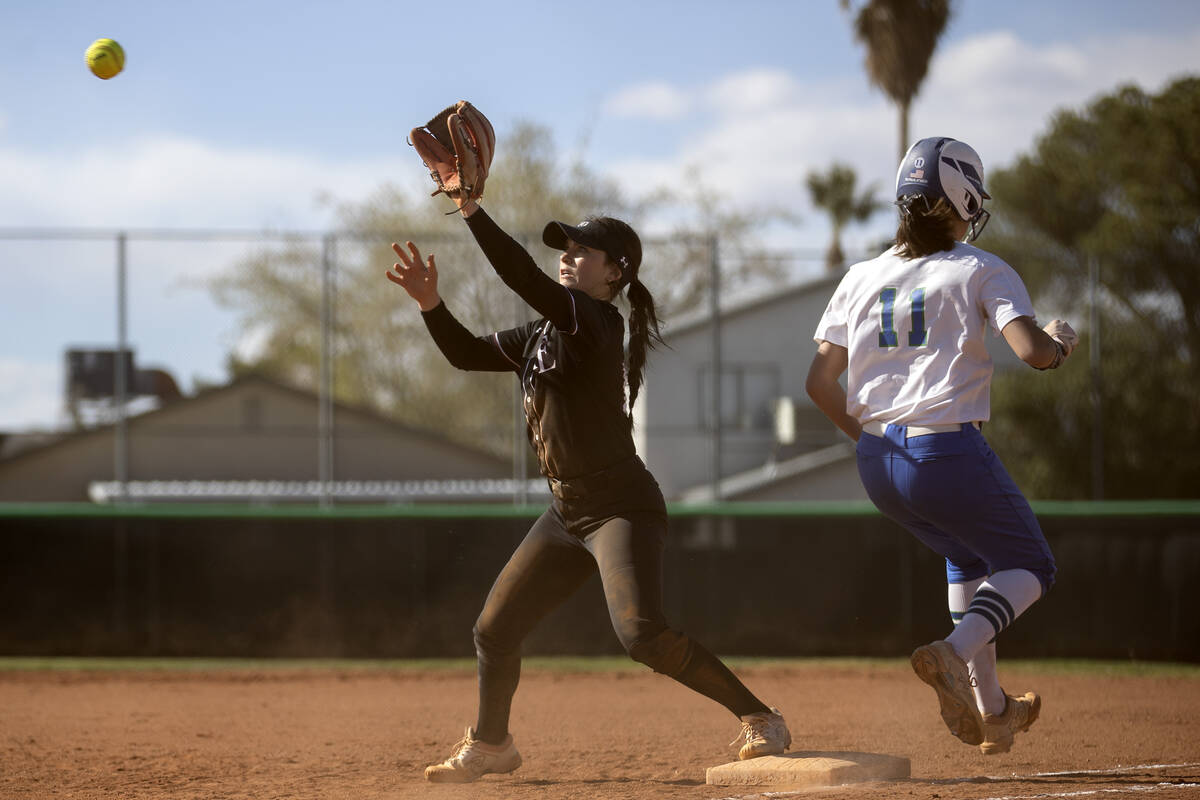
[(548, 566)]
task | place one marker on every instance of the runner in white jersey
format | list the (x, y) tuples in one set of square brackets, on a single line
[(916, 328), (908, 328)]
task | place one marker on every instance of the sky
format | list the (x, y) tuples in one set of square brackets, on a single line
[(264, 115)]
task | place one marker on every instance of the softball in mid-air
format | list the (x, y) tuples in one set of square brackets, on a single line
[(105, 58)]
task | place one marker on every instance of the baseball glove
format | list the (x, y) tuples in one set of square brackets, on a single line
[(457, 147)]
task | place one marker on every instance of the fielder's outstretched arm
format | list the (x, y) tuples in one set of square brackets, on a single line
[(520, 272), (461, 348)]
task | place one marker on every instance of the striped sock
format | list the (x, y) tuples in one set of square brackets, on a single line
[(991, 605), (1000, 599)]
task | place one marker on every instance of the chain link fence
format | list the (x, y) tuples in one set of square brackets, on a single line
[(194, 310)]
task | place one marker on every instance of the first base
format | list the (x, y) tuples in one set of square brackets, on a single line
[(808, 769)]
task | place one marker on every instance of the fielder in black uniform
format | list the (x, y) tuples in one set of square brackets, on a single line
[(607, 513)]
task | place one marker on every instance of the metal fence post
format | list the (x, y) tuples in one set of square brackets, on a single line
[(325, 390), (121, 379), (520, 447), (1096, 379), (714, 308)]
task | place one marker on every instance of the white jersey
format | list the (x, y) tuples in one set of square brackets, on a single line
[(915, 333)]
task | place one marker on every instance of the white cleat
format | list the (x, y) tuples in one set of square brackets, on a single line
[(939, 666), (473, 758), (998, 729), (765, 734)]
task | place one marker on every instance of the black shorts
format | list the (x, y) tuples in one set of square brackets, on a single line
[(622, 489)]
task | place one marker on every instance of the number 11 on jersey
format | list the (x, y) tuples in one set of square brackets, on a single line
[(887, 322)]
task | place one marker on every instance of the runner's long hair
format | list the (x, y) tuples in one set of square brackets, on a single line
[(925, 229)]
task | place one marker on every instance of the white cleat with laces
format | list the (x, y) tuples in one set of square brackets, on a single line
[(473, 758), (765, 734)]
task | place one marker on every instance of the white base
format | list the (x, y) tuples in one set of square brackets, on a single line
[(809, 768)]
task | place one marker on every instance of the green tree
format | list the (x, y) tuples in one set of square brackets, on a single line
[(384, 358), (835, 192), (1115, 186), (900, 37)]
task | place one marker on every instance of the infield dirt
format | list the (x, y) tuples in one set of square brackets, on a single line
[(368, 734)]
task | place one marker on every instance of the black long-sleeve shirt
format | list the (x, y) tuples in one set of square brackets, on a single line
[(571, 362)]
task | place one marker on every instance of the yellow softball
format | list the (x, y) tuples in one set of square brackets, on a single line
[(105, 58)]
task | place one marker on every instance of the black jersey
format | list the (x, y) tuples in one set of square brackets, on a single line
[(571, 361)]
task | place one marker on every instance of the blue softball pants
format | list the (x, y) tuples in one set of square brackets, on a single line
[(951, 492)]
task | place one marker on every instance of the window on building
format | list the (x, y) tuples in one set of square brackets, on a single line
[(748, 393)]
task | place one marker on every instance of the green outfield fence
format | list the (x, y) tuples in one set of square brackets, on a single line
[(778, 579)]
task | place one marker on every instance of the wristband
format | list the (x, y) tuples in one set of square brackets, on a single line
[(1060, 355)]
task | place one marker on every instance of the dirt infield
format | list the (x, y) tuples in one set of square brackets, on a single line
[(366, 734)]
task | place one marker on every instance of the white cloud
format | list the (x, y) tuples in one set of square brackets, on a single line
[(999, 92), (657, 100), (757, 150), (764, 130), (252, 344), (177, 182), (753, 91), (62, 292)]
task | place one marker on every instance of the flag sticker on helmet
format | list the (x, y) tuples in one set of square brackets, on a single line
[(918, 171)]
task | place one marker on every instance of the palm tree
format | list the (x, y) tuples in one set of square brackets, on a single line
[(835, 193), (900, 37)]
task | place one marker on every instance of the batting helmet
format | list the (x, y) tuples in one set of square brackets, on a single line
[(940, 167)]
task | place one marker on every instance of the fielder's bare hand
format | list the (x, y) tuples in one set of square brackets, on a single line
[(418, 278)]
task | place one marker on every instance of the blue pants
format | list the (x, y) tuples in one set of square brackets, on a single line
[(951, 492)]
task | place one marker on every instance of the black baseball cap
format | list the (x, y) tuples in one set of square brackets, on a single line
[(603, 233)]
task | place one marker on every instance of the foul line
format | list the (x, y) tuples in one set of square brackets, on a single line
[(1114, 770), (1078, 793), (1086, 792)]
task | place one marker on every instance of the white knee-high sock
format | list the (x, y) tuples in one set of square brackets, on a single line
[(988, 694), (998, 601), (958, 597)]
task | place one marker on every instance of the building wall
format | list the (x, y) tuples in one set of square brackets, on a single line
[(766, 349), (765, 353), (252, 431), (837, 481)]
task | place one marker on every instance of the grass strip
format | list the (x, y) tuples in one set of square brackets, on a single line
[(564, 665)]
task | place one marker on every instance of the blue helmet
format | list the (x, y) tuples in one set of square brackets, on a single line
[(941, 167)]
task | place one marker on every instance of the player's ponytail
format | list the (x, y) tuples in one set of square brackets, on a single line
[(623, 249), (643, 335), (925, 229)]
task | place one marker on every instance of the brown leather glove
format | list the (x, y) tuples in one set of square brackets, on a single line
[(457, 147)]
